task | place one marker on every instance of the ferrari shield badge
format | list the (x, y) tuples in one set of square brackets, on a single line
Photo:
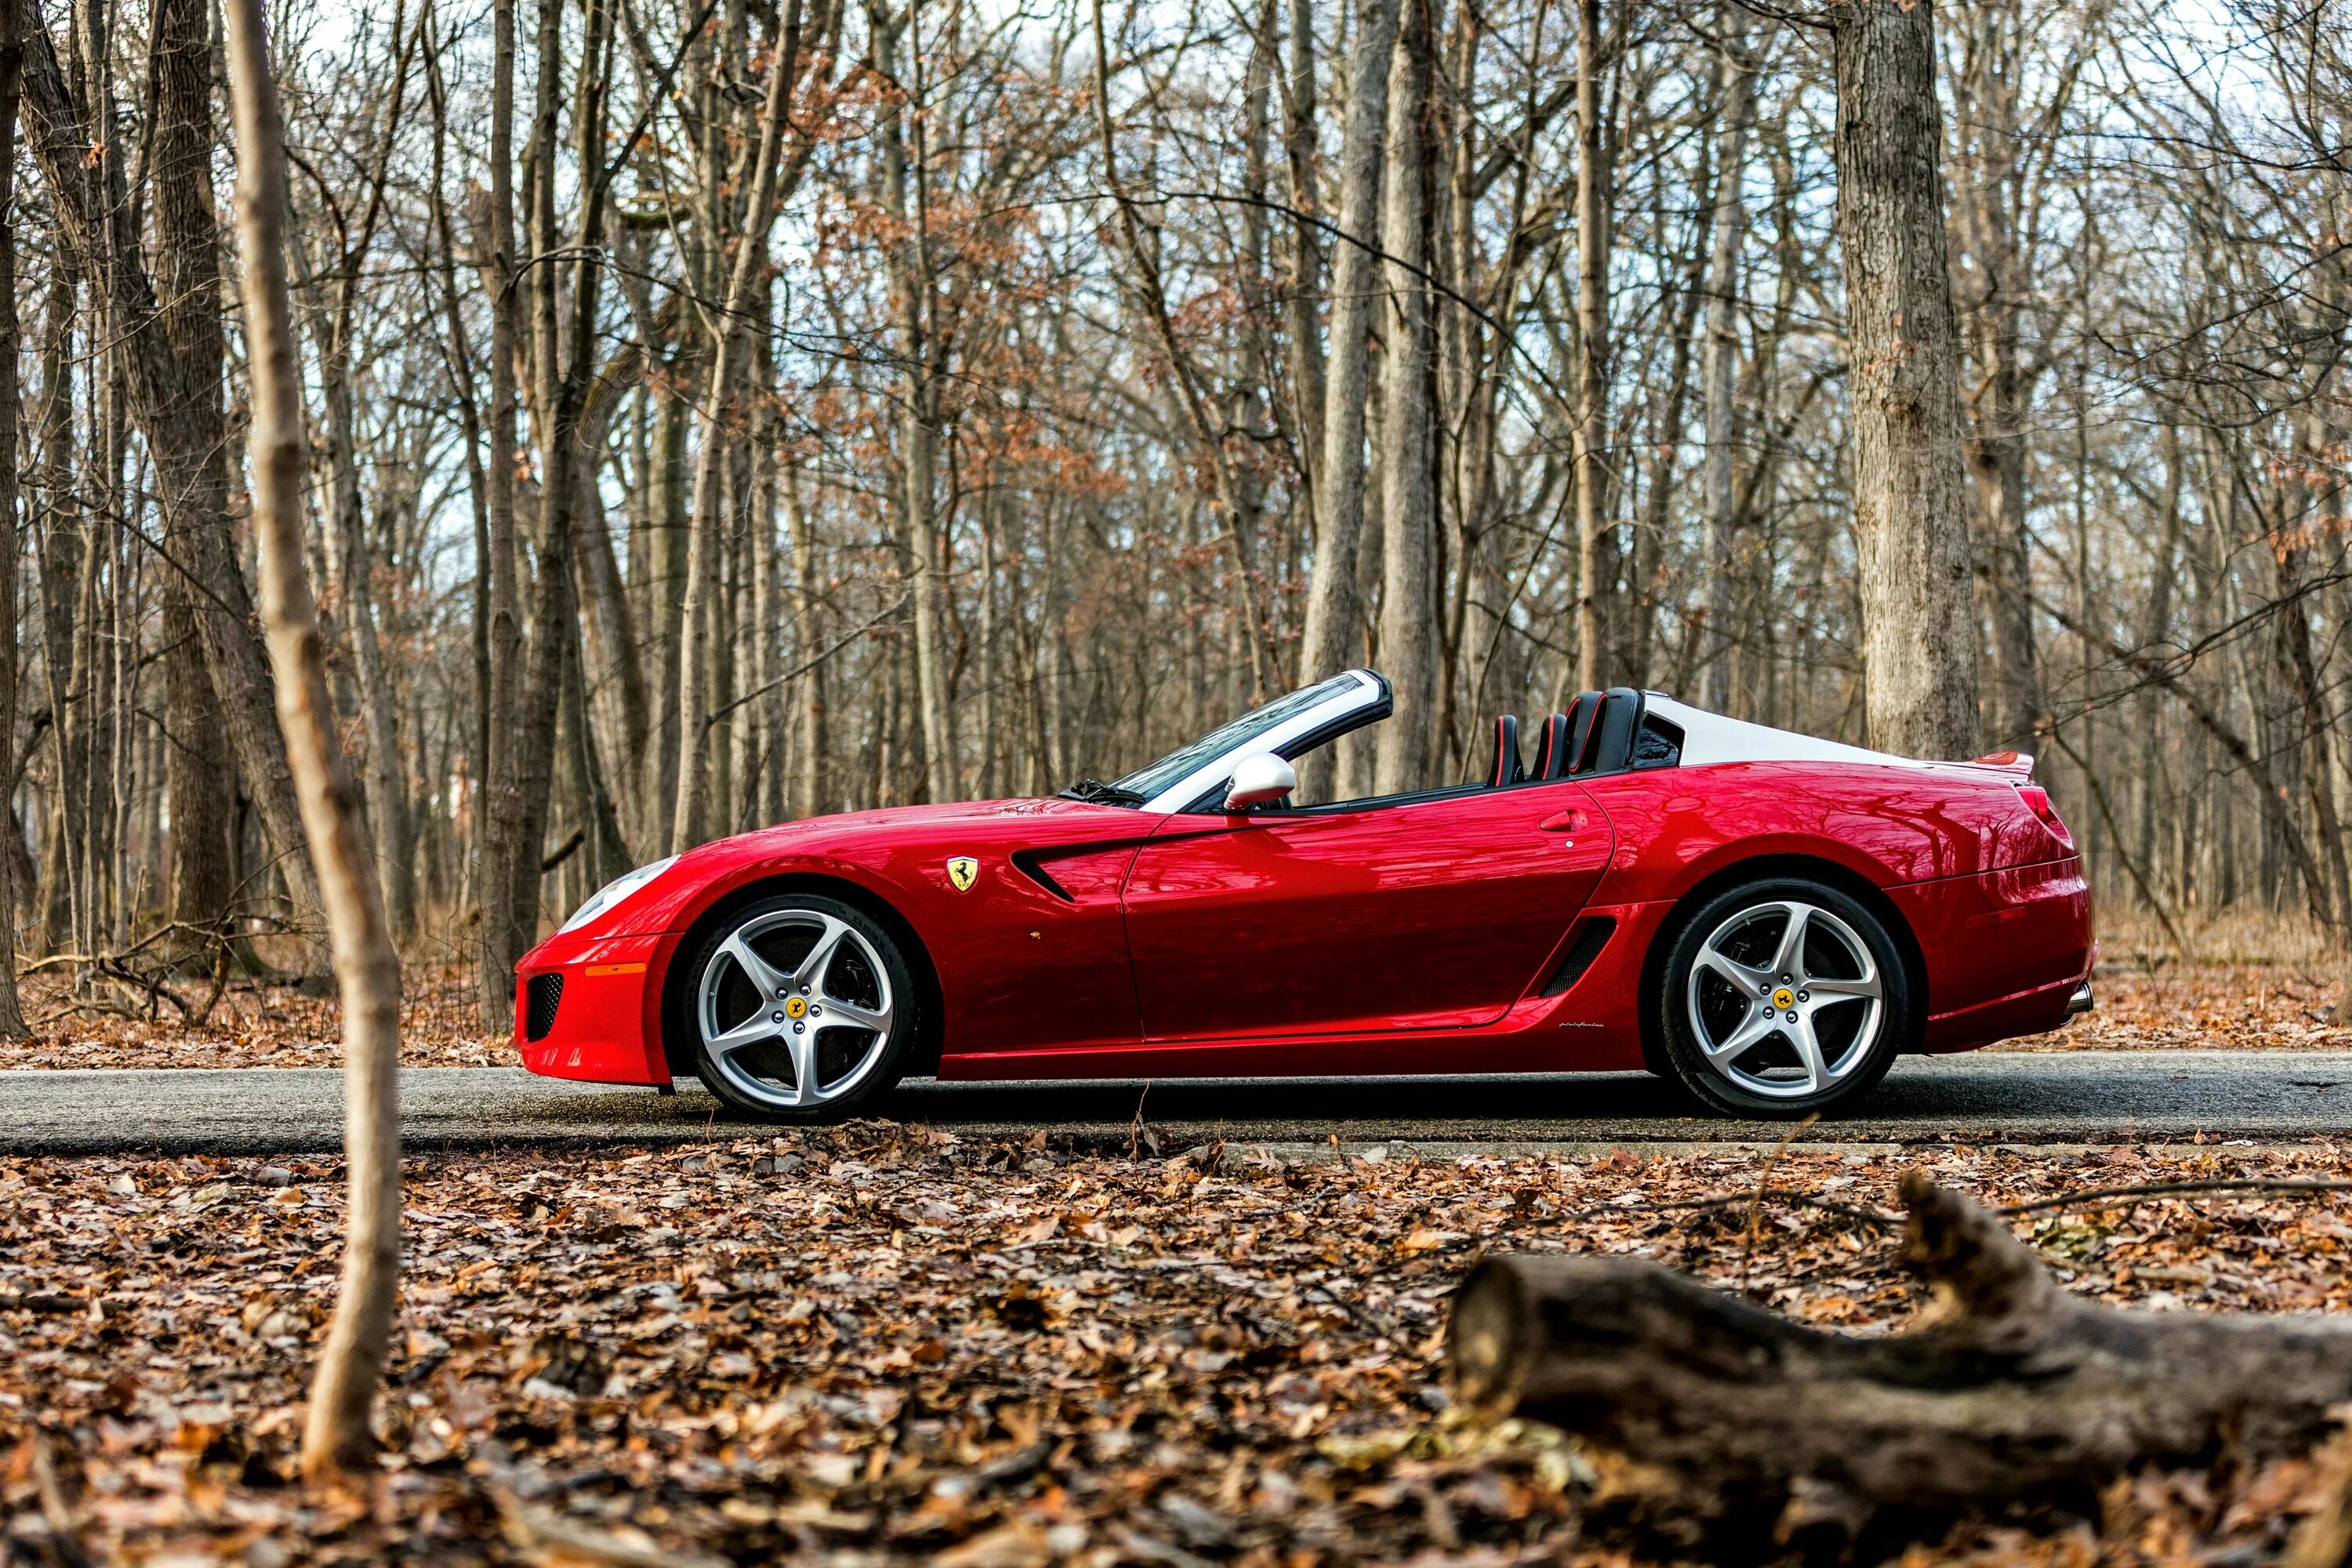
[(963, 871)]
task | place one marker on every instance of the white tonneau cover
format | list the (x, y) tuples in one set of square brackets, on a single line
[(1712, 737)]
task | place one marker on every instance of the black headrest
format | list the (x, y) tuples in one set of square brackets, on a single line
[(1580, 714), (1551, 750), (1508, 768), (1612, 748)]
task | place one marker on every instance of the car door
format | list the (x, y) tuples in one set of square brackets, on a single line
[(1420, 912)]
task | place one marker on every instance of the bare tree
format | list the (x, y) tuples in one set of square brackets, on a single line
[(687, 825), (351, 1364), (1332, 609), (12, 71), (1910, 488), (1721, 364), (503, 940), (1595, 569), (1408, 458)]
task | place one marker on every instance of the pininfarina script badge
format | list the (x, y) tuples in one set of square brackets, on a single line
[(963, 871)]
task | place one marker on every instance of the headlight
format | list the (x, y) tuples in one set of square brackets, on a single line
[(614, 891)]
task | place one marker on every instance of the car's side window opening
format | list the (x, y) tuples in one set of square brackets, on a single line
[(1602, 732)]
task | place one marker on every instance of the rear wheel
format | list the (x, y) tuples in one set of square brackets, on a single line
[(1782, 998), (800, 1009)]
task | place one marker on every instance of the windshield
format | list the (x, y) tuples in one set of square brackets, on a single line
[(1147, 782)]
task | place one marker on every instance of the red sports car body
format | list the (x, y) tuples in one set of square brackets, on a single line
[(1189, 923)]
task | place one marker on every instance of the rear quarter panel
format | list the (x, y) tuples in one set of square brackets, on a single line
[(1677, 827), (1996, 902)]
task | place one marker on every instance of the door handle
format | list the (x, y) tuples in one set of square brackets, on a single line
[(1561, 822)]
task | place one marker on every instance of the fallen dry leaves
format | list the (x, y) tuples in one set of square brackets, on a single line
[(879, 1345), (2205, 1007), (254, 1025)]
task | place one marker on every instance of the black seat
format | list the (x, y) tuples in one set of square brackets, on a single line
[(1507, 768), (1551, 750)]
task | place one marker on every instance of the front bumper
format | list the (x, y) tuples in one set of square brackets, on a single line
[(599, 1014)]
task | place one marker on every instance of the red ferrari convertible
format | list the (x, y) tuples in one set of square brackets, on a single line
[(1766, 918)]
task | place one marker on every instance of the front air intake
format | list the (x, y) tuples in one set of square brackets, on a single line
[(540, 994), (1593, 934)]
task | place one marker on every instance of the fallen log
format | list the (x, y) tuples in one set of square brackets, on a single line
[(2010, 1388)]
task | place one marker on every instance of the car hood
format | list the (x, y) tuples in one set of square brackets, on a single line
[(863, 837), (899, 824)]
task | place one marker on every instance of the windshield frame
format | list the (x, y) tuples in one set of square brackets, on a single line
[(1347, 699)]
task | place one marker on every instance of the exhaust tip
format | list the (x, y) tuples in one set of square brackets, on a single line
[(2082, 1001)]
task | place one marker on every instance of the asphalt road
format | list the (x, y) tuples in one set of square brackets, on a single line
[(2084, 1097)]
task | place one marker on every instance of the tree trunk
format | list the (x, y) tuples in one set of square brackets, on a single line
[(615, 667), (351, 565), (687, 827), (906, 261), (562, 360), (469, 427), (671, 537), (1911, 511), (810, 793), (2010, 1388), (201, 780), (199, 768), (1999, 395), (1592, 200), (1408, 468), (1306, 334), (498, 820), (1331, 638), (12, 70), (1720, 366), (60, 572), (352, 1363)]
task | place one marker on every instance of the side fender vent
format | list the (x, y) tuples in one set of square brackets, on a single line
[(1026, 862), (542, 995), (1592, 933)]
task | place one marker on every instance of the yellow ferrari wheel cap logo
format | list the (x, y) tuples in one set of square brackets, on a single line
[(1784, 997), (795, 1006), (963, 871)]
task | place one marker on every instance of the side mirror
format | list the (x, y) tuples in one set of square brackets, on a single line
[(1259, 780)]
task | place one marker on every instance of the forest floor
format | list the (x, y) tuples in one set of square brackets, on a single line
[(2254, 983), (253, 1025), (876, 1344)]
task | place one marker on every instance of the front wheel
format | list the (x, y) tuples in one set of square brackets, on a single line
[(799, 1010), (1782, 998)]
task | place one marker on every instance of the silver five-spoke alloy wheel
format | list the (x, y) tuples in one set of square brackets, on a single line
[(795, 1009), (1785, 1000)]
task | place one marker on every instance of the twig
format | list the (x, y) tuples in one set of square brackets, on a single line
[(1136, 1130), (1771, 1194), (807, 664), (65, 1535), (2176, 1189), (224, 953), (563, 851), (1763, 1183)]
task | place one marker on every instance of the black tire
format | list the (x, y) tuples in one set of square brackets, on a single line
[(1846, 992), (861, 976)]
